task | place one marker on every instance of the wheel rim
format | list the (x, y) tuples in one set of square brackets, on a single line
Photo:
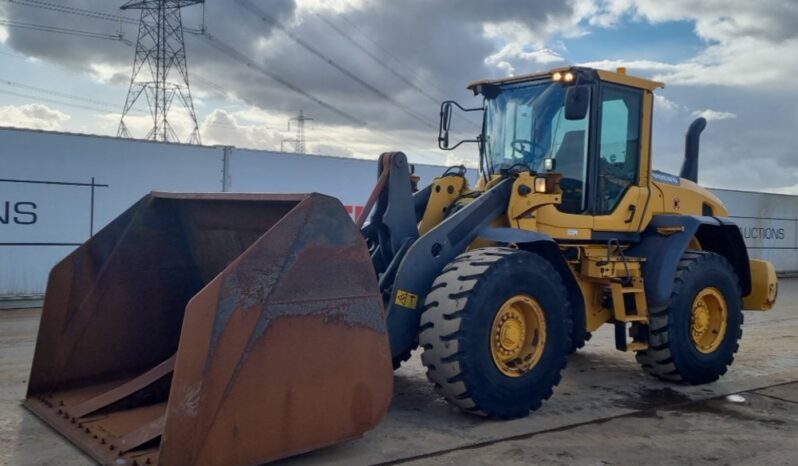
[(518, 335), (708, 320)]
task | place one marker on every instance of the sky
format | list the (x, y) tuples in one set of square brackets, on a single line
[(372, 73)]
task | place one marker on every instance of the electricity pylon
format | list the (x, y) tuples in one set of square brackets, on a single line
[(160, 71)]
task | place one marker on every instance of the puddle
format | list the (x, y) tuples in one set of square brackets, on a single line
[(650, 398)]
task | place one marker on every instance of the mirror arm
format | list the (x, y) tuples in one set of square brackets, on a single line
[(464, 109), (441, 147)]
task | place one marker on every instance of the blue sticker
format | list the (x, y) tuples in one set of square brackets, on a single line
[(666, 177)]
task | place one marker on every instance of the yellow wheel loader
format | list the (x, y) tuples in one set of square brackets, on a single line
[(236, 329)]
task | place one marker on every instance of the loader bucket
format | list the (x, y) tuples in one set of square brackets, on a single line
[(214, 329)]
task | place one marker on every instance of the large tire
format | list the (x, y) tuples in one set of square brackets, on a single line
[(458, 324), (674, 354), (579, 339)]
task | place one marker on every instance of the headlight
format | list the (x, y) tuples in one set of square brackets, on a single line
[(540, 185), (568, 77), (556, 76)]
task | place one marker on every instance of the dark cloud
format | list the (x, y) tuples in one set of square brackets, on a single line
[(440, 46)]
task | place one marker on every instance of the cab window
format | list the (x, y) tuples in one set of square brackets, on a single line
[(569, 151), (619, 144)]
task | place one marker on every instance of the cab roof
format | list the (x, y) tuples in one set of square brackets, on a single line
[(619, 77)]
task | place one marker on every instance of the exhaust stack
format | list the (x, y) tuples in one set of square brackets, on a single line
[(691, 143)]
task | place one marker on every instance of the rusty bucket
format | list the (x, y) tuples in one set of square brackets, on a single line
[(214, 329)]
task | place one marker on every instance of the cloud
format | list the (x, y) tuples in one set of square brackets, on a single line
[(438, 46), (714, 115), (332, 149), (259, 129), (224, 128), (740, 66), (36, 116), (3, 29), (515, 52), (745, 49), (453, 159), (664, 104)]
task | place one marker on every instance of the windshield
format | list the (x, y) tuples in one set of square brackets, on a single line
[(525, 124)]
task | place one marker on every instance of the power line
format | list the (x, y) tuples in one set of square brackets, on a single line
[(223, 126), (385, 65), (56, 93), (374, 57), (56, 101), (236, 54), (92, 35), (86, 13), (230, 52), (221, 46), (73, 10), (391, 54), (85, 99), (305, 45), (59, 30)]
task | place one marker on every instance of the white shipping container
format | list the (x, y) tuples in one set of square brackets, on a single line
[(769, 224), (68, 186), (56, 189)]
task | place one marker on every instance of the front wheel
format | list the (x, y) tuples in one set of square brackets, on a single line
[(693, 339), (496, 332)]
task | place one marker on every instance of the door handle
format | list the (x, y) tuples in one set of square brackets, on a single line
[(632, 210)]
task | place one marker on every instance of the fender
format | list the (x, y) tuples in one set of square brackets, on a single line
[(428, 255), (667, 238), (546, 247)]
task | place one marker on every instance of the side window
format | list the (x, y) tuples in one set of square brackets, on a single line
[(619, 144)]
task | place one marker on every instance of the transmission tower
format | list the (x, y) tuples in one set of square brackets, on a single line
[(160, 72), (299, 141)]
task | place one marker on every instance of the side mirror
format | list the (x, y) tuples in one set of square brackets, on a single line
[(446, 123), (577, 102)]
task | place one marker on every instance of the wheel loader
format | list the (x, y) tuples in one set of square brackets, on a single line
[(237, 329)]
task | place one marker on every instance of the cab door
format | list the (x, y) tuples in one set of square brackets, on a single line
[(620, 192)]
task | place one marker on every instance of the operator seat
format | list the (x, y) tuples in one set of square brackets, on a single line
[(570, 162)]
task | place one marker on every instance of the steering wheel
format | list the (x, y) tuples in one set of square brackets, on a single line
[(526, 146)]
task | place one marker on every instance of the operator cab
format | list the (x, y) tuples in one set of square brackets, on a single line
[(585, 124)]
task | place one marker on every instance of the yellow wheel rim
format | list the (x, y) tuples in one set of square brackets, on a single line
[(518, 335), (708, 320)]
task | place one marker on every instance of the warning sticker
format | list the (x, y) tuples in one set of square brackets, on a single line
[(406, 299)]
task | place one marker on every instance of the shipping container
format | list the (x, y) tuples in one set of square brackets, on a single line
[(57, 189)]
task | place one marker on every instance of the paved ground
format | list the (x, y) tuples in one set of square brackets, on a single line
[(606, 411)]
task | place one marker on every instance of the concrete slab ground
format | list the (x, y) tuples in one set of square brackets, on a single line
[(606, 411)]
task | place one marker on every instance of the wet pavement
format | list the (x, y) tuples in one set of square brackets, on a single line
[(606, 410)]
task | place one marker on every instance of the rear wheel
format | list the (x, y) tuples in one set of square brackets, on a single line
[(694, 338), (496, 332), (579, 339)]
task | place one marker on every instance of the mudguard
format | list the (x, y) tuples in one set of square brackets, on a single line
[(545, 246), (667, 238)]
